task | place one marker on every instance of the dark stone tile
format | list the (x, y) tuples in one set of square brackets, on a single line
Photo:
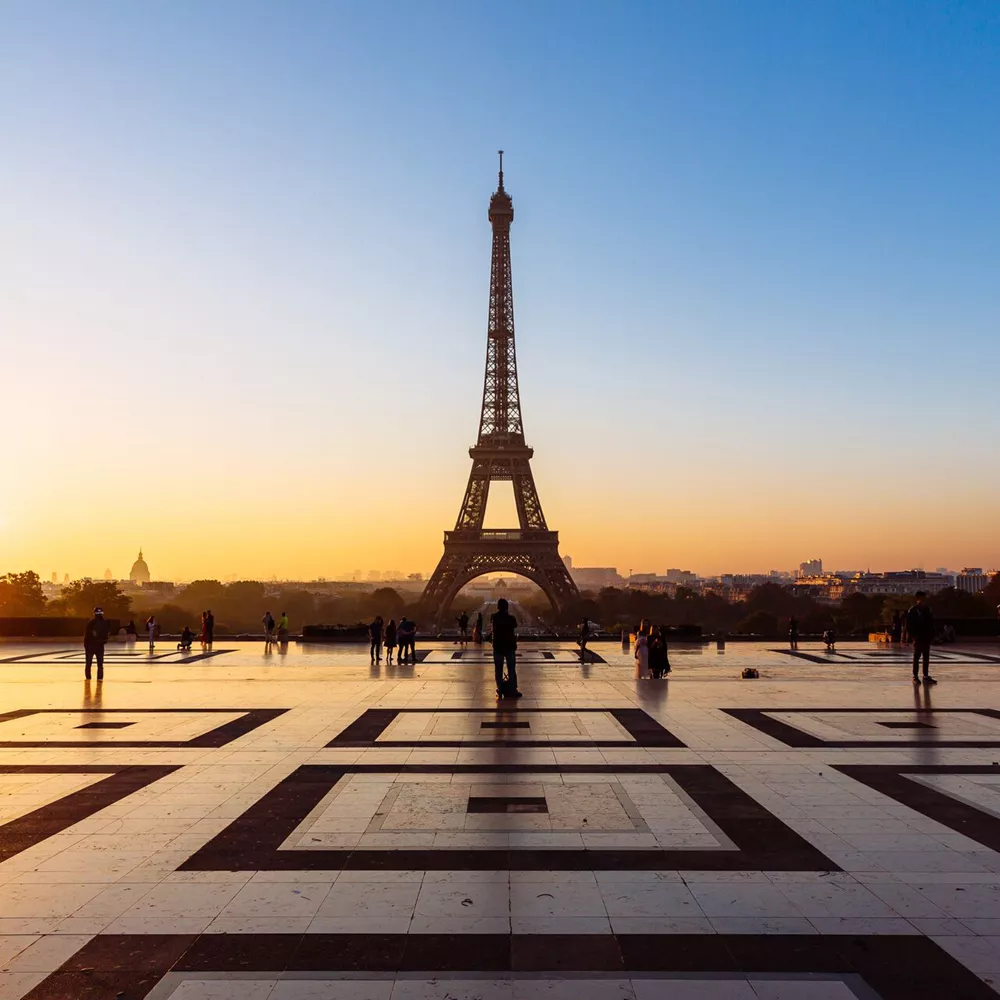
[(239, 953), (130, 952), (456, 953), (676, 953), (565, 952), (507, 804), (96, 985), (348, 952)]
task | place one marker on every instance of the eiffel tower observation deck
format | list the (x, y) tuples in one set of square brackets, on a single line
[(500, 455)]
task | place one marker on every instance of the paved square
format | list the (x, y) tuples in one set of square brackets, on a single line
[(299, 824)]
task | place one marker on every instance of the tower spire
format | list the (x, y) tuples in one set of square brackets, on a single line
[(500, 455)]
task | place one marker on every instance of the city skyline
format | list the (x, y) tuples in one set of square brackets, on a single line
[(375, 575), (244, 277)]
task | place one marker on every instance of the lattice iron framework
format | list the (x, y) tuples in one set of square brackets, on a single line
[(500, 454)]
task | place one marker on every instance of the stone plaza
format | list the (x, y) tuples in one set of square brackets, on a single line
[(299, 824)]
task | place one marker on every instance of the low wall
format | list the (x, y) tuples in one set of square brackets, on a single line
[(48, 628)]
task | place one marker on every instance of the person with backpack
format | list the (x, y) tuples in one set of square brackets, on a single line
[(94, 639), (920, 626), (503, 635), (659, 661)]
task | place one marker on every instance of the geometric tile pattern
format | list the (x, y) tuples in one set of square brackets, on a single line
[(737, 833), (26, 822), (865, 727), (189, 727), (528, 727), (627, 966), (387, 832)]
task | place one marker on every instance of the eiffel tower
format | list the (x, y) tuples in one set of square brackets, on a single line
[(530, 550)]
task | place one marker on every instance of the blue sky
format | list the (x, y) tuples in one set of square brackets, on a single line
[(756, 250)]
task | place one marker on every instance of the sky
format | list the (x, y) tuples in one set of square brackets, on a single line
[(244, 266)]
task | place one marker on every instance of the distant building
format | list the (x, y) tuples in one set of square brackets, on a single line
[(164, 587), (898, 582), (55, 577), (972, 580), (811, 567), (140, 571), (107, 575), (595, 577)]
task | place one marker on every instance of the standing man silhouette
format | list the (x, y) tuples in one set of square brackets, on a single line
[(920, 626), (503, 633), (94, 638)]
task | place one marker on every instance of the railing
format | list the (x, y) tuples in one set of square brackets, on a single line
[(500, 535)]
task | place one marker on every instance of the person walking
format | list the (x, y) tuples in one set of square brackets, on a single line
[(920, 626), (94, 639), (503, 635), (463, 627), (584, 638), (659, 661), (375, 635), (151, 628), (268, 621), (390, 640), (477, 631), (210, 627), (405, 634), (641, 654), (793, 633)]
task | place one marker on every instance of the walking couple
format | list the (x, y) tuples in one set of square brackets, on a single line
[(651, 658)]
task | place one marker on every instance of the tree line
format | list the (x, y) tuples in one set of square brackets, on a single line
[(239, 606)]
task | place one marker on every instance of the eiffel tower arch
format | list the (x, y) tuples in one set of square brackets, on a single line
[(500, 455)]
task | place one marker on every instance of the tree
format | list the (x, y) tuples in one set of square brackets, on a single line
[(387, 602), (992, 593), (21, 595), (82, 596)]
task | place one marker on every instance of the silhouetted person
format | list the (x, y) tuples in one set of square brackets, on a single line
[(920, 626), (204, 628), (463, 626), (94, 638), (187, 638), (584, 638), (659, 661), (375, 635), (477, 631), (268, 622), (130, 631), (793, 633), (503, 634), (830, 638), (151, 628), (210, 626), (390, 639), (403, 636)]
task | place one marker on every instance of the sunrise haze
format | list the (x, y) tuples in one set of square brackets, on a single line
[(244, 267)]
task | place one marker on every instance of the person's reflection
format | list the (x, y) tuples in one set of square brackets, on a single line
[(926, 748), (283, 648), (92, 697)]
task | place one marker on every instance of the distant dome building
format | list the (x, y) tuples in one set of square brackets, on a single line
[(140, 571)]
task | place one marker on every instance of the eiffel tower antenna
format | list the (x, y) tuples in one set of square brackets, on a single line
[(500, 454)]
